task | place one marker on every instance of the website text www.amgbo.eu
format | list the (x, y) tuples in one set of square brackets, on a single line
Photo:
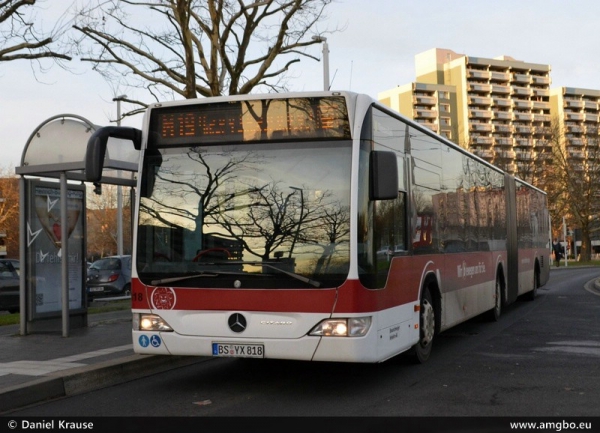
[(551, 425)]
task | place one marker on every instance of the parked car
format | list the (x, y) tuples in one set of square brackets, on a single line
[(109, 276), (16, 264), (9, 287)]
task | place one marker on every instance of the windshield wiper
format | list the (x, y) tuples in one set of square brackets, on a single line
[(216, 274), (190, 277), (270, 265)]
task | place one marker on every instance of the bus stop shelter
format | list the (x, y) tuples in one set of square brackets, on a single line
[(53, 219)]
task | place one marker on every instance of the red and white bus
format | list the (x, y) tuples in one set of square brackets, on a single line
[(317, 226)]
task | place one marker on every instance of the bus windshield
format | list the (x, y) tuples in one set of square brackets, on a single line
[(261, 215)]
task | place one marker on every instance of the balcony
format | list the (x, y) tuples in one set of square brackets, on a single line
[(521, 78), (480, 127), (522, 116), (482, 140), (501, 90), (577, 155), (589, 117), (506, 129), (538, 79), (523, 130), (480, 75), (520, 91), (502, 115), (484, 153), (574, 141), (499, 76), (479, 88), (540, 105), (424, 100), (422, 113), (538, 92), (506, 154), (573, 116), (503, 141), (542, 117), (501, 102), (523, 142), (520, 103), (480, 114), (480, 100), (541, 130), (524, 156), (573, 103), (590, 105)]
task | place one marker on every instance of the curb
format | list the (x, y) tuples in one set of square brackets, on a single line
[(90, 377), (593, 286)]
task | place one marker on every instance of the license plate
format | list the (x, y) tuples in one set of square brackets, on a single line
[(96, 289), (238, 350)]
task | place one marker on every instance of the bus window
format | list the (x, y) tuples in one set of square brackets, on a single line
[(382, 230)]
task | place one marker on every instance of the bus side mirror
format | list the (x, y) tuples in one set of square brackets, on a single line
[(383, 176), (96, 148)]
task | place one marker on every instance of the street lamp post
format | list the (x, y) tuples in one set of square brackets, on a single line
[(118, 99), (323, 40)]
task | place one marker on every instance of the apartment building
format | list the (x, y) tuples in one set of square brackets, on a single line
[(499, 108), (578, 112), (427, 104)]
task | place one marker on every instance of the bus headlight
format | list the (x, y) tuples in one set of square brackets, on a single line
[(351, 327), (150, 322)]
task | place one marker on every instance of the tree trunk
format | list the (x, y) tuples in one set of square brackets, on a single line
[(586, 246)]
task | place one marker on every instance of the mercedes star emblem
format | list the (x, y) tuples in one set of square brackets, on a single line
[(237, 322)]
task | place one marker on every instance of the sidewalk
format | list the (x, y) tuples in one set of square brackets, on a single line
[(43, 366)]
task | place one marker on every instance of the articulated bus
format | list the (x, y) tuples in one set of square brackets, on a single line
[(317, 226)]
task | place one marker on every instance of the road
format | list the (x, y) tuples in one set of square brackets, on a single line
[(542, 358)]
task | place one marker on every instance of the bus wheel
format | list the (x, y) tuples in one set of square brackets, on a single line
[(422, 349), (530, 296), (494, 314)]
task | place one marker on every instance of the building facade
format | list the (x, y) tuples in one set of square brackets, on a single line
[(577, 111), (428, 104), (498, 108)]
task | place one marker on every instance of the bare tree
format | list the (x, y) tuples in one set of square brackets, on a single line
[(572, 181), (102, 223), (197, 48), (22, 36), (9, 212)]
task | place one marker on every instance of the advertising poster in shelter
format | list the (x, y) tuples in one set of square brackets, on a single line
[(45, 247)]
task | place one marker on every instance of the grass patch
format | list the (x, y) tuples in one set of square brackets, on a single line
[(574, 263), (99, 306)]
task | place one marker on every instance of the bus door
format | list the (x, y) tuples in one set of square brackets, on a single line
[(512, 251)]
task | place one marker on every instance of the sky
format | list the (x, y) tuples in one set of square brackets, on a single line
[(372, 51)]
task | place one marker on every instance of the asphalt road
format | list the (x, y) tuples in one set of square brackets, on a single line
[(541, 359)]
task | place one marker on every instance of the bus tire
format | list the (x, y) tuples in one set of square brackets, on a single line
[(493, 315), (530, 296), (422, 350)]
